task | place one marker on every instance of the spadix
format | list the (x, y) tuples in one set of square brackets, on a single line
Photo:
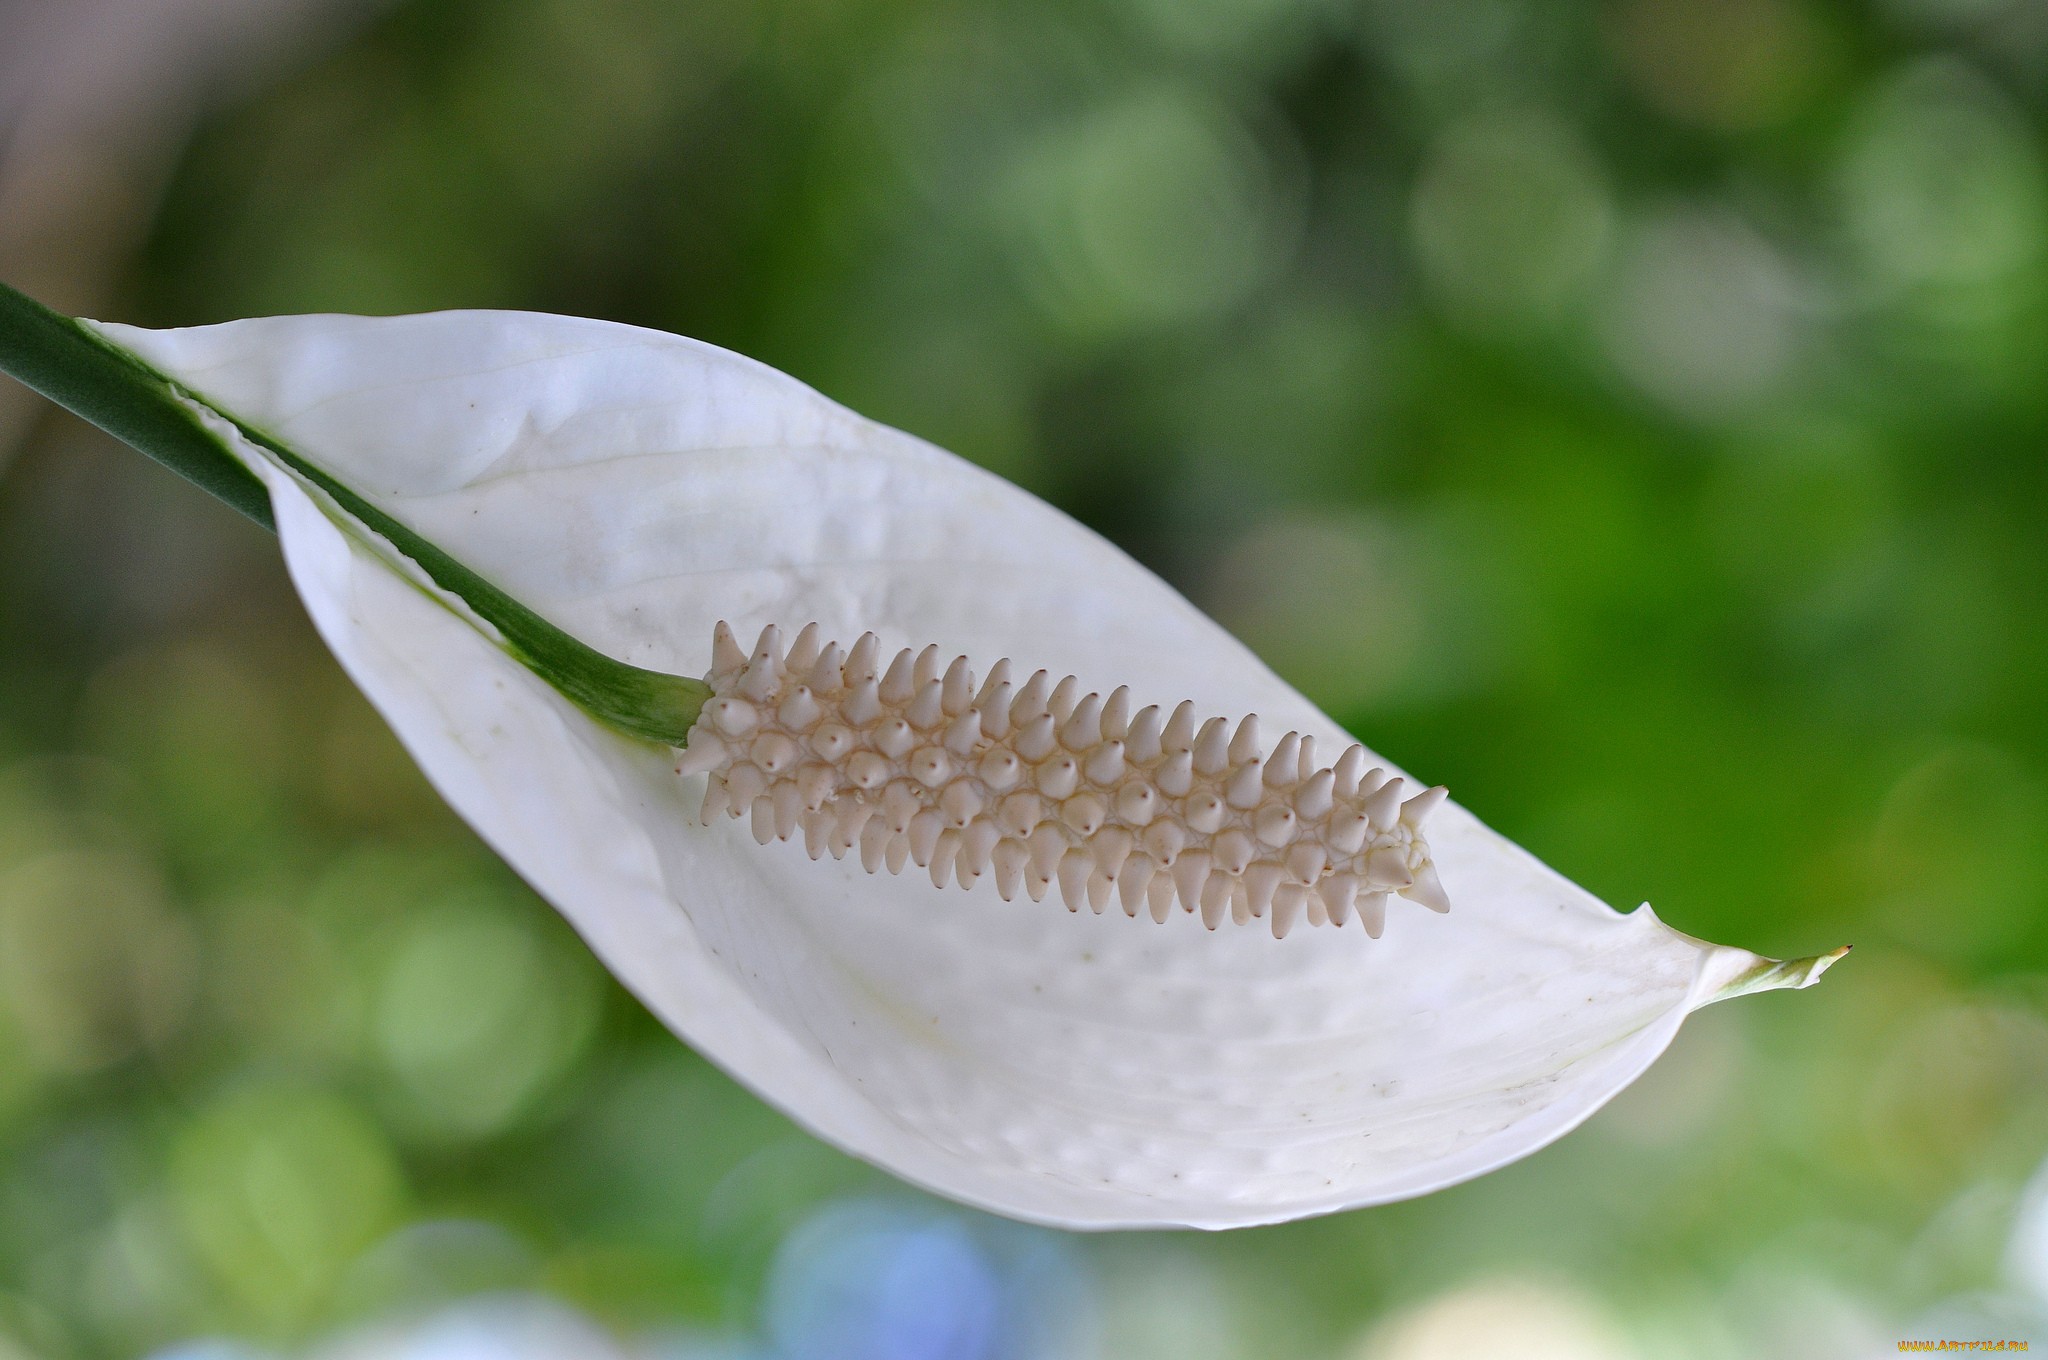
[(1048, 786)]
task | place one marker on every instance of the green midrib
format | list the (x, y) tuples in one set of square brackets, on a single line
[(105, 384)]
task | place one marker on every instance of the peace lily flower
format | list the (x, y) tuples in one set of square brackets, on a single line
[(516, 531)]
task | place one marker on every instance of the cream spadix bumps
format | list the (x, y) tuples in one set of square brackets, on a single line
[(1037, 783), (630, 489)]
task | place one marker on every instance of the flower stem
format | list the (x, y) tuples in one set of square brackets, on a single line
[(99, 381), (116, 391)]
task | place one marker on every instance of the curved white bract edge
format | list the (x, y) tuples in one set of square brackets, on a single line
[(1070, 1069)]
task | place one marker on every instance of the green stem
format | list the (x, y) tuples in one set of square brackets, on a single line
[(116, 391), (86, 374)]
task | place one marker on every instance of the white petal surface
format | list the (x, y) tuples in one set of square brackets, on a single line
[(1090, 1071)]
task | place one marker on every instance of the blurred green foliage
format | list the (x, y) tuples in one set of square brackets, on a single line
[(1630, 414)]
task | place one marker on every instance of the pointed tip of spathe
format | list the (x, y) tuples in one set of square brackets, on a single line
[(1795, 974), (1740, 973), (1822, 962)]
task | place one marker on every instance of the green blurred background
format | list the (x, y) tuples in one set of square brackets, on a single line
[(1630, 414)]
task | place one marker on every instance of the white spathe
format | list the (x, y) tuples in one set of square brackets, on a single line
[(1081, 1070)]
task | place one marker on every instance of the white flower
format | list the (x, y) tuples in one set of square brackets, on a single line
[(1082, 1069)]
